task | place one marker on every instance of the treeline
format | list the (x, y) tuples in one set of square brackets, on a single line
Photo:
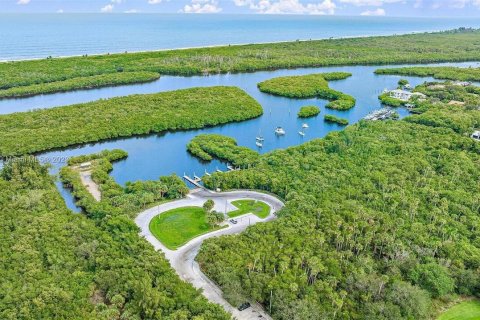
[(381, 222), (309, 86), (308, 111), (90, 82), (449, 73), (417, 48), (209, 146), (60, 265), (118, 200), (41, 130)]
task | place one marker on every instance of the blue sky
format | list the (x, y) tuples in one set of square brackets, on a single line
[(411, 8)]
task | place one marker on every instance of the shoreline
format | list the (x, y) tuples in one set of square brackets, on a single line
[(223, 45)]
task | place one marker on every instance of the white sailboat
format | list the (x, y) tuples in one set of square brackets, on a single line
[(304, 126), (279, 131), (259, 137), (301, 133), (259, 144)]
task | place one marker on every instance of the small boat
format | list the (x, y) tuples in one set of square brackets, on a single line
[(301, 133), (280, 131), (305, 126), (259, 137), (259, 144)]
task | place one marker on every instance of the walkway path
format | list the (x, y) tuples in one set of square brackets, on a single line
[(183, 259), (90, 185)]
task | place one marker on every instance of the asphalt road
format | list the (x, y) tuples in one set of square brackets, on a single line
[(183, 259)]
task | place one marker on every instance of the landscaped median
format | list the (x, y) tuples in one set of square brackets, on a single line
[(466, 310), (176, 227), (310, 86), (29, 132), (258, 208)]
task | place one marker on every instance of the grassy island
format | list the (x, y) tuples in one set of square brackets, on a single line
[(308, 111), (334, 119), (209, 146), (97, 81), (310, 86), (454, 45), (176, 227), (29, 132)]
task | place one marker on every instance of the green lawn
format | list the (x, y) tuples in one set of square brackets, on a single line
[(258, 208), (468, 310), (176, 227)]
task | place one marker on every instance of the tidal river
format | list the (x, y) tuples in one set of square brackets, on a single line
[(163, 154)]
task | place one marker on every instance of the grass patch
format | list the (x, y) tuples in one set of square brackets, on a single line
[(193, 108), (310, 86), (467, 310), (176, 227), (308, 111), (258, 208)]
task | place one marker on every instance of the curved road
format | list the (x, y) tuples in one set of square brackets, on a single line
[(183, 259)]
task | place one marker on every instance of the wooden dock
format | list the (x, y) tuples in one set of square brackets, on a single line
[(195, 180)]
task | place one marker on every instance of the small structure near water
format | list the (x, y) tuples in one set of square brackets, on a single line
[(382, 114), (404, 95)]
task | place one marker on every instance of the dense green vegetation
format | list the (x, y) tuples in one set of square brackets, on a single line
[(450, 73), (60, 265), (96, 81), (118, 200), (381, 219), (456, 45), (109, 155), (40, 130), (467, 310), (450, 93), (176, 227), (309, 86), (207, 146), (335, 119), (448, 106), (308, 111), (258, 208)]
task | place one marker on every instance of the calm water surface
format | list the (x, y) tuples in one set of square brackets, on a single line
[(162, 154), (26, 36)]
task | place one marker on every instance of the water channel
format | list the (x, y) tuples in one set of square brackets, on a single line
[(165, 153)]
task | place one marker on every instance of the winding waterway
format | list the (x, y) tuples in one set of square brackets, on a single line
[(162, 154)]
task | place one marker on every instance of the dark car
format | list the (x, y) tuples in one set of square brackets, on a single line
[(244, 306), (233, 221)]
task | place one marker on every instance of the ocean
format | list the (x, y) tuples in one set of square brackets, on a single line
[(30, 36)]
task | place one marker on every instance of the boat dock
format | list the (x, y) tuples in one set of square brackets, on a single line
[(381, 114), (195, 180)]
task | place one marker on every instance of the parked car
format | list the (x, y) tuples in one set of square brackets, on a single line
[(233, 221), (244, 306)]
